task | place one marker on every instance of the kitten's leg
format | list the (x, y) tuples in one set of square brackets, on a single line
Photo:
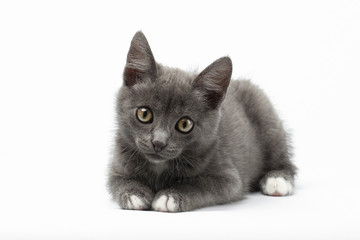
[(279, 170), (199, 192), (130, 194), (277, 183)]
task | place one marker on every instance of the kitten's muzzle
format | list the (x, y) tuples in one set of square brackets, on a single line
[(158, 145)]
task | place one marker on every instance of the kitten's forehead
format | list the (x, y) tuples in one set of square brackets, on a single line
[(175, 76), (171, 92)]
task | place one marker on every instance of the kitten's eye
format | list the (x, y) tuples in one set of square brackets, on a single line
[(144, 115), (184, 125)]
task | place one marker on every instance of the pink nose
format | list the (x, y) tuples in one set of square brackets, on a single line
[(158, 146)]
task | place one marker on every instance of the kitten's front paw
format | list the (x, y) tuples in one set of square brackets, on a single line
[(135, 200), (135, 203), (166, 202)]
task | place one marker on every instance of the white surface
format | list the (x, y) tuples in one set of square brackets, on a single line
[(61, 64)]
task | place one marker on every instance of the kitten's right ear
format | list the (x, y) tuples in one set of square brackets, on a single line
[(140, 62)]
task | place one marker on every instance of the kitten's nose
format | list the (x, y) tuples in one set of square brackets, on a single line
[(158, 146)]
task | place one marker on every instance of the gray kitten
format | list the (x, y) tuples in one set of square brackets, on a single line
[(186, 141)]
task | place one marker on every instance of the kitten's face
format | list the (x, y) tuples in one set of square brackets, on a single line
[(166, 113), (166, 117)]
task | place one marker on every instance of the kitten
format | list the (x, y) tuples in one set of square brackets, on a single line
[(186, 141)]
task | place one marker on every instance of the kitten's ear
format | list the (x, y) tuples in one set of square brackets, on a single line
[(214, 81), (140, 62)]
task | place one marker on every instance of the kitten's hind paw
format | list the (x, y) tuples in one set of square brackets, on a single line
[(276, 186), (165, 203)]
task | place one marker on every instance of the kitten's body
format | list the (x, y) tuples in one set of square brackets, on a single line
[(237, 143)]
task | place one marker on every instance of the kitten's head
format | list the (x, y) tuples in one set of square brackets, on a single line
[(166, 113)]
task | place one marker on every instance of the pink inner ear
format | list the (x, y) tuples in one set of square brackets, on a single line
[(130, 76), (214, 80), (140, 61), (213, 98)]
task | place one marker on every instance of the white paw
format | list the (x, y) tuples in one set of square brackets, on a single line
[(165, 204), (278, 186), (135, 203)]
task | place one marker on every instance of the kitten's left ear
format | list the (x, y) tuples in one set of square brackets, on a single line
[(214, 81), (140, 62)]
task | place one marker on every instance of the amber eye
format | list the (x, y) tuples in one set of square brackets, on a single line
[(184, 125), (144, 115)]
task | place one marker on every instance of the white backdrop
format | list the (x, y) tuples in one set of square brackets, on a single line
[(61, 64)]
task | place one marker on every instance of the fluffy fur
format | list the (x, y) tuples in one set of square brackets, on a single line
[(238, 143)]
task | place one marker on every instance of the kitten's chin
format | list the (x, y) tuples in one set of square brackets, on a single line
[(156, 159)]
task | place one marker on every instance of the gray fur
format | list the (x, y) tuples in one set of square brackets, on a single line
[(236, 143)]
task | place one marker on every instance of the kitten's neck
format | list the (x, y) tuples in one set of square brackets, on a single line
[(159, 168)]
